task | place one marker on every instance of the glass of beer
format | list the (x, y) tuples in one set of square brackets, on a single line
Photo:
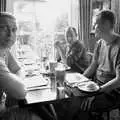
[(52, 66), (60, 74)]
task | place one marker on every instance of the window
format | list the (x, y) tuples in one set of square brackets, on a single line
[(39, 22), (99, 5)]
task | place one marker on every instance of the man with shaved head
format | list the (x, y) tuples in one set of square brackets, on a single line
[(105, 67), (10, 72)]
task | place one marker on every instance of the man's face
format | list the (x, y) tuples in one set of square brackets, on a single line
[(102, 28), (7, 32)]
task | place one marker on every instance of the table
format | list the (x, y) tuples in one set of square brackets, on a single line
[(40, 97), (43, 96), (49, 95)]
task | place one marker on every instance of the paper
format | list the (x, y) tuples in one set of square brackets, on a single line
[(35, 81), (75, 78)]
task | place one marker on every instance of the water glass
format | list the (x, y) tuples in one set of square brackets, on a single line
[(60, 74), (52, 66), (53, 84)]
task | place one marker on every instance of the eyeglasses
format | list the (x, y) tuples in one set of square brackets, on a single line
[(6, 28)]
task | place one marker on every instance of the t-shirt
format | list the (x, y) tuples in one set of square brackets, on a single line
[(107, 57), (77, 49), (11, 62), (7, 64)]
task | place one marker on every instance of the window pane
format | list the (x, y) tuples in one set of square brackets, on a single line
[(38, 25)]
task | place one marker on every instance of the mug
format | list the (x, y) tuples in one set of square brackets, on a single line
[(60, 75), (52, 66)]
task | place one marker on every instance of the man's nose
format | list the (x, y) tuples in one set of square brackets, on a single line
[(9, 32)]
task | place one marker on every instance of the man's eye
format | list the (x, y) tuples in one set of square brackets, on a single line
[(3, 28), (14, 29)]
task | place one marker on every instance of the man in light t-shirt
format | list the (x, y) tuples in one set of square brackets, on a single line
[(105, 67), (10, 72)]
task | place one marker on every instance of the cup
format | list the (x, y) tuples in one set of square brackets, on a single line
[(60, 75), (53, 84), (52, 66)]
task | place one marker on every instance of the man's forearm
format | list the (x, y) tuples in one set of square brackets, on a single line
[(12, 85), (21, 73), (89, 72), (113, 84)]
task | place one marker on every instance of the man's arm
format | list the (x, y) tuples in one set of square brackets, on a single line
[(91, 70), (12, 85), (10, 78), (114, 83), (14, 67), (20, 73), (109, 86)]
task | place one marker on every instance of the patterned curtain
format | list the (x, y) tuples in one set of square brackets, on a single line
[(2, 5), (85, 19), (74, 13), (115, 7)]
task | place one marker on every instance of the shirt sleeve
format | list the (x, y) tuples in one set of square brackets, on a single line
[(12, 63)]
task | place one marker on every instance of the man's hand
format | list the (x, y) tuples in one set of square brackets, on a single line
[(112, 84)]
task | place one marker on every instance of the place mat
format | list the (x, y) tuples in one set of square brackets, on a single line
[(74, 78), (35, 82)]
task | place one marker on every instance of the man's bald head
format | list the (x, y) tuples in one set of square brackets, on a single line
[(8, 30), (8, 15)]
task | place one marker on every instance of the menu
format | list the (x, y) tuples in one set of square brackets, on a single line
[(75, 78)]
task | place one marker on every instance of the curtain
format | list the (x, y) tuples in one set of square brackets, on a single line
[(74, 13), (85, 19), (115, 7), (2, 5)]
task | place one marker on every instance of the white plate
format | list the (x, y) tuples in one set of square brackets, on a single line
[(89, 86)]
